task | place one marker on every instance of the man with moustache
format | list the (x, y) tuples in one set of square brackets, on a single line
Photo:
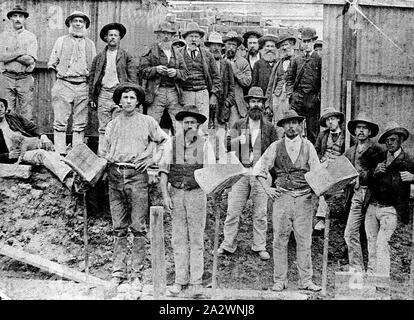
[(215, 44), (318, 47), (18, 55), (164, 69), (276, 88), (109, 68), (303, 83), (70, 63), (249, 138), (263, 68), (362, 156), (242, 75), (202, 86), (290, 158), (251, 42)]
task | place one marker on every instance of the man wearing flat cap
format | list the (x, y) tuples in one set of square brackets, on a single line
[(361, 155), (242, 75), (185, 200), (389, 186), (251, 42), (277, 103), (18, 55), (109, 68), (127, 147), (290, 158), (303, 84), (263, 68), (202, 86), (164, 69), (249, 139), (70, 63)]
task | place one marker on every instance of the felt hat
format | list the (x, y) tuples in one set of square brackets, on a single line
[(391, 128), (255, 92), (17, 9), (193, 27), (179, 41), (128, 85), (268, 37), (166, 27), (364, 118), (247, 35), (190, 111), (289, 115), (318, 43), (112, 26), (308, 34), (329, 112), (232, 35), (5, 102), (78, 14), (214, 37), (284, 38)]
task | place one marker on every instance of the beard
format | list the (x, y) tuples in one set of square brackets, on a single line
[(253, 51), (269, 56), (230, 54), (78, 32), (190, 134), (216, 54), (255, 113)]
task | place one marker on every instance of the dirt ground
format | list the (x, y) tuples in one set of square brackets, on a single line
[(41, 216)]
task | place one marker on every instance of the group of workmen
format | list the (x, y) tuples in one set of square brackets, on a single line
[(266, 104)]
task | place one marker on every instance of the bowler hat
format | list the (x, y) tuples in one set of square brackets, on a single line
[(112, 26), (78, 14), (268, 37), (255, 92), (190, 111), (308, 34), (193, 27), (393, 127), (5, 102), (289, 115), (247, 35), (364, 118), (214, 37), (232, 35), (329, 112), (17, 9), (166, 27), (128, 85), (284, 38)]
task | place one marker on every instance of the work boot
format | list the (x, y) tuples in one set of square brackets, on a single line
[(77, 137), (195, 290), (59, 138), (138, 255), (175, 289), (264, 255), (119, 267)]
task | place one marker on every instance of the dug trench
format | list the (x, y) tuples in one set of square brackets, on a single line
[(40, 216)]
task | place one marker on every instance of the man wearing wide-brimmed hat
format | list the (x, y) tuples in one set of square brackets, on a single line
[(318, 47), (202, 86), (251, 42), (389, 198), (110, 67), (249, 138), (303, 84), (226, 100), (186, 201), (127, 146), (263, 68), (290, 158), (242, 75), (18, 55), (164, 69), (329, 145), (70, 63), (361, 155), (277, 103)]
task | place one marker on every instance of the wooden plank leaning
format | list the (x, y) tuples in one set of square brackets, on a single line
[(159, 271)]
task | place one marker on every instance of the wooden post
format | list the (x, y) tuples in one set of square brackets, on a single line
[(348, 112), (159, 273), (412, 259), (325, 254), (85, 236), (216, 231)]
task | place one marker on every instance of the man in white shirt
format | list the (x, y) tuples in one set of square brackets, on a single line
[(290, 158), (251, 42)]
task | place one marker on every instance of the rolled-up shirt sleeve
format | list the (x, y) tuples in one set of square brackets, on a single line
[(167, 157), (266, 162)]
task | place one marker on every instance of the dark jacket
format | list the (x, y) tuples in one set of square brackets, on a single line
[(211, 74), (388, 188), (147, 68), (227, 82), (322, 140), (20, 124), (261, 74), (125, 66), (267, 136)]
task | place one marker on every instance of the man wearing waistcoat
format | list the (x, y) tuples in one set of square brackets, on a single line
[(249, 138), (362, 156), (186, 201), (70, 63), (389, 199), (294, 201), (329, 145), (109, 68), (277, 103), (202, 86), (18, 55), (164, 69)]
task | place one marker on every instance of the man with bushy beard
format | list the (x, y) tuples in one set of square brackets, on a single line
[(242, 75), (70, 63), (249, 138), (251, 42), (164, 69), (263, 68)]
